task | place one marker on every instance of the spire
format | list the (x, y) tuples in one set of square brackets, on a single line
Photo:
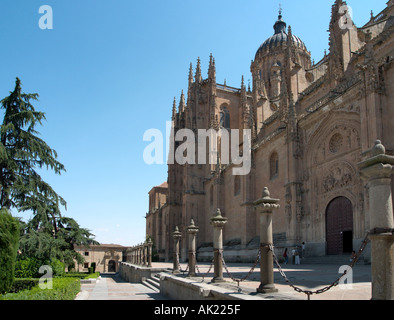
[(212, 69), (190, 74), (182, 103), (174, 110), (198, 71)]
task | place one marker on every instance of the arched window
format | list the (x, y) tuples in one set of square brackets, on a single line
[(237, 185), (274, 165), (224, 117)]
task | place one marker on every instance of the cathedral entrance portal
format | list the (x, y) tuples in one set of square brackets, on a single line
[(339, 226)]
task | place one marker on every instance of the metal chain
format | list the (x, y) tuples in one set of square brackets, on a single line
[(247, 275), (335, 283), (204, 275), (179, 265)]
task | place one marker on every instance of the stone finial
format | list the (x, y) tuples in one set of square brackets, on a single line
[(218, 220), (266, 202), (176, 233), (378, 148), (192, 228), (266, 193)]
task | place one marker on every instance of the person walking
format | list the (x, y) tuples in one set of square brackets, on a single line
[(286, 256), (297, 256)]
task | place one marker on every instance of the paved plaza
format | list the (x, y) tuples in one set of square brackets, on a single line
[(310, 277)]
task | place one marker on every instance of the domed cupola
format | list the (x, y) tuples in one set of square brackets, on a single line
[(279, 39)]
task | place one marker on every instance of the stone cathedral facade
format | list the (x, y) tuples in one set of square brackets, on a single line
[(311, 123)]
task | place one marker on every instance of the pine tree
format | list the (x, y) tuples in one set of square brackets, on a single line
[(48, 234), (21, 153)]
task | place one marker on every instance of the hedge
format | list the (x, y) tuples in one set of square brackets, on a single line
[(62, 289), (9, 241)]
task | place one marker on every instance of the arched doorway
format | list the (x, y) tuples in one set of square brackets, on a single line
[(111, 266), (339, 226)]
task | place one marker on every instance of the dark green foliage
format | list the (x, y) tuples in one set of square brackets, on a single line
[(27, 268), (23, 284), (48, 235), (9, 237), (21, 152), (63, 289)]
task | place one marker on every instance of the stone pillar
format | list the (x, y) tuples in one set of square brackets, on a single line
[(265, 206), (145, 254), (377, 172), (192, 232), (218, 223), (150, 244), (177, 236)]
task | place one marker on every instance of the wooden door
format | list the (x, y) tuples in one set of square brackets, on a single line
[(339, 224)]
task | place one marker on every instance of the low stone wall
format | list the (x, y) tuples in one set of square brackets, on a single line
[(135, 273), (180, 288)]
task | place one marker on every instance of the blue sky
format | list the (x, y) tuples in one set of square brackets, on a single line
[(109, 70)]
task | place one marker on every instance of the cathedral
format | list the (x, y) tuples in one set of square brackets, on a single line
[(310, 124)]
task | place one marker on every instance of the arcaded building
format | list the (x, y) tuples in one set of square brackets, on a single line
[(311, 124)]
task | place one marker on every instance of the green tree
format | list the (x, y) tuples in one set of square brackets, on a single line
[(48, 235), (9, 236), (21, 153)]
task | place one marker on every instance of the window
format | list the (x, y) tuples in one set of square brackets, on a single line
[(224, 118), (237, 185), (86, 253), (86, 265), (274, 165)]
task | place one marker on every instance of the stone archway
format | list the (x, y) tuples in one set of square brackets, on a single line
[(339, 226), (112, 266)]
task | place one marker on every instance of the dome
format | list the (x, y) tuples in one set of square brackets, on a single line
[(279, 38)]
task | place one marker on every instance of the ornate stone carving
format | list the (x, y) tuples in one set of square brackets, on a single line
[(338, 177)]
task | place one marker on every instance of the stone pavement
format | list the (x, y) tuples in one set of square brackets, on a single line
[(308, 277), (112, 287)]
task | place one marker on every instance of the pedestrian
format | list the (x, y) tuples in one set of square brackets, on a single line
[(303, 249), (297, 256), (286, 256), (293, 256)]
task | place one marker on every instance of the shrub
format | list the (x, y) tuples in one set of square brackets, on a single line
[(27, 268), (57, 267), (62, 289), (23, 284), (9, 240)]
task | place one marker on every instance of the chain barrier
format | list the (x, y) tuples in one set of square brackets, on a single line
[(179, 265), (247, 275), (282, 273), (326, 288)]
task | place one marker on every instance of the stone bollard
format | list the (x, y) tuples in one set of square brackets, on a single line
[(177, 236), (218, 223), (192, 232), (145, 254), (377, 172), (150, 244), (265, 206)]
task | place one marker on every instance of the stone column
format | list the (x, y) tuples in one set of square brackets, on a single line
[(265, 206), (150, 244), (177, 236), (145, 254), (192, 232), (377, 172), (218, 223)]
